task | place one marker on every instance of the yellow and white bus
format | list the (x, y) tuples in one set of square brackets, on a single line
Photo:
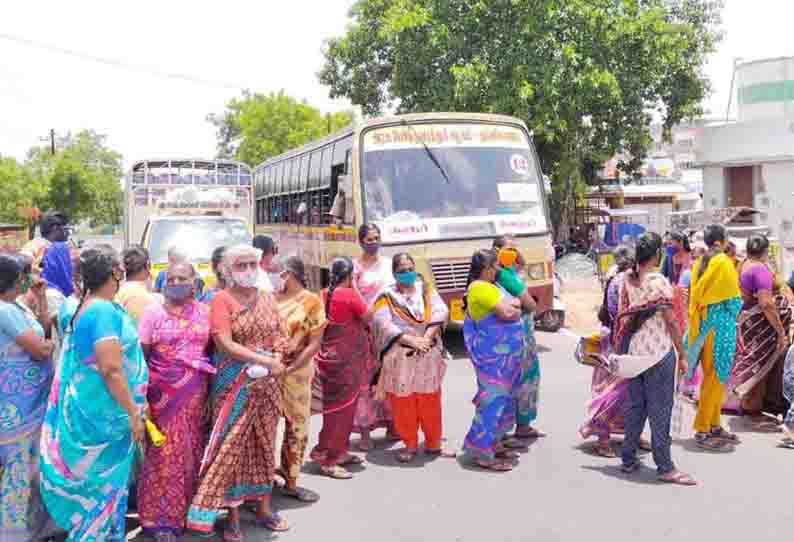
[(196, 205), (439, 186)]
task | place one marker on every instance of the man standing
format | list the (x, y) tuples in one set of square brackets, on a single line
[(268, 277), (54, 229)]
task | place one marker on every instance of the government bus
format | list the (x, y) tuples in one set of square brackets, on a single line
[(196, 205), (439, 186)]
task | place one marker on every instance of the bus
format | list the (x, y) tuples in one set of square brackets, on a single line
[(196, 205), (439, 186)]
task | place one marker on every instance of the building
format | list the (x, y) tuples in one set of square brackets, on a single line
[(750, 162)]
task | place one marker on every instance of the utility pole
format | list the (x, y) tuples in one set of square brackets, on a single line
[(52, 141)]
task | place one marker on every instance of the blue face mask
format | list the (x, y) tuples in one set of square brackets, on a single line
[(178, 292), (406, 278)]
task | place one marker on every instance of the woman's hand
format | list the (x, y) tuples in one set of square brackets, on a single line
[(420, 344), (277, 368), (138, 428), (683, 363)]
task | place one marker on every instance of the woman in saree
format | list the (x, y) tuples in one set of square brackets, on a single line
[(94, 420), (305, 317), (763, 330), (239, 461), (371, 274), (174, 337), (407, 324), (610, 393), (25, 377), (341, 370), (220, 283), (714, 305), (646, 329), (680, 263), (496, 340)]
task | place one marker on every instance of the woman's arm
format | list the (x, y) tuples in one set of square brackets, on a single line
[(675, 334), (306, 355), (506, 310), (767, 304), (39, 348), (227, 345), (109, 359)]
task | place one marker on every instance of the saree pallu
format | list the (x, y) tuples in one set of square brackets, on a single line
[(24, 386), (239, 460), (756, 358), (371, 413), (87, 449), (498, 352), (178, 397)]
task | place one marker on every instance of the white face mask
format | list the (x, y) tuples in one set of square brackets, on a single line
[(276, 281), (246, 279)]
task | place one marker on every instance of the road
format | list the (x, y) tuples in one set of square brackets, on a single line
[(558, 492)]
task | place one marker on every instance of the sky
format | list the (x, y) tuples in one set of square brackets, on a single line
[(220, 48)]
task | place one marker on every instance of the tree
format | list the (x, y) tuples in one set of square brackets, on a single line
[(21, 192), (586, 75), (257, 126), (83, 178)]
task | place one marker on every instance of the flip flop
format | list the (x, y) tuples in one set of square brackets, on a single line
[(406, 455), (645, 446), (604, 450), (351, 460), (336, 472), (678, 478), (273, 522), (300, 493), (495, 466), (631, 467), (530, 435), (787, 443), (508, 454), (442, 452), (513, 443), (714, 444), (722, 434)]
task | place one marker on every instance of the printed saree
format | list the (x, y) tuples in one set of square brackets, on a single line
[(239, 460), (87, 449)]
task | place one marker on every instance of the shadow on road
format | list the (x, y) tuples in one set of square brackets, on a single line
[(644, 476)]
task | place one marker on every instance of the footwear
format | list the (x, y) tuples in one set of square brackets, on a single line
[(300, 494), (604, 449), (351, 459), (677, 477), (364, 443), (514, 443), (531, 434), (273, 522), (441, 452), (406, 455), (232, 533), (630, 468), (787, 442), (710, 443), (723, 434), (645, 445), (336, 472), (495, 466)]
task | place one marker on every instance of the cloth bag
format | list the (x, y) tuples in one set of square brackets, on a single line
[(626, 366), (684, 411)]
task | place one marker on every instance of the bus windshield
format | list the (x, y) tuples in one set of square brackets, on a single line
[(433, 176), (198, 237)]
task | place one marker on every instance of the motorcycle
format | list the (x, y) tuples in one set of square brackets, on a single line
[(553, 320)]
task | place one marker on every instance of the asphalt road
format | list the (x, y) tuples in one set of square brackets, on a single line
[(558, 492)]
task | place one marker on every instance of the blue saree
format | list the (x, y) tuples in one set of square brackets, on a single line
[(87, 449)]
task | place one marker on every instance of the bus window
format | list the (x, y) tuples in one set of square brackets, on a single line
[(341, 149), (303, 173), (314, 169), (325, 167)]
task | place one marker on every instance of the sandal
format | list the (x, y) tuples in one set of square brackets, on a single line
[(787, 443), (441, 452), (406, 455), (532, 434), (706, 441), (604, 449), (513, 443), (232, 533), (631, 467), (336, 472), (351, 459), (677, 478), (300, 493), (364, 444), (723, 434), (495, 466), (507, 454), (273, 522), (766, 426), (645, 446)]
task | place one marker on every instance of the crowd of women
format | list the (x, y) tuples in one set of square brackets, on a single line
[(170, 396), (726, 316)]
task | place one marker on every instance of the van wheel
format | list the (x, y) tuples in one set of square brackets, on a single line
[(551, 321)]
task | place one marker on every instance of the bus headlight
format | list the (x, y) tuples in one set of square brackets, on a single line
[(536, 271)]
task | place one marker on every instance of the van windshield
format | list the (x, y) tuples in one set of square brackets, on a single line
[(197, 237)]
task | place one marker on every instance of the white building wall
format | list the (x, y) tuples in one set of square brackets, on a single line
[(714, 195), (774, 196)]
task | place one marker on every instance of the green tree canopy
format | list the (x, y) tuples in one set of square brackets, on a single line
[(256, 126), (586, 75)]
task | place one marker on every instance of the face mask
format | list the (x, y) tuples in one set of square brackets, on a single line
[(276, 281), (178, 292), (406, 278), (246, 279), (371, 248)]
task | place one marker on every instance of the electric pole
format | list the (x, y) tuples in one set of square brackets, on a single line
[(52, 141)]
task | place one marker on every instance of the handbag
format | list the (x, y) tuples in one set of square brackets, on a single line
[(626, 366)]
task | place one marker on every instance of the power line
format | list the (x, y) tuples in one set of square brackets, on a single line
[(120, 64)]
